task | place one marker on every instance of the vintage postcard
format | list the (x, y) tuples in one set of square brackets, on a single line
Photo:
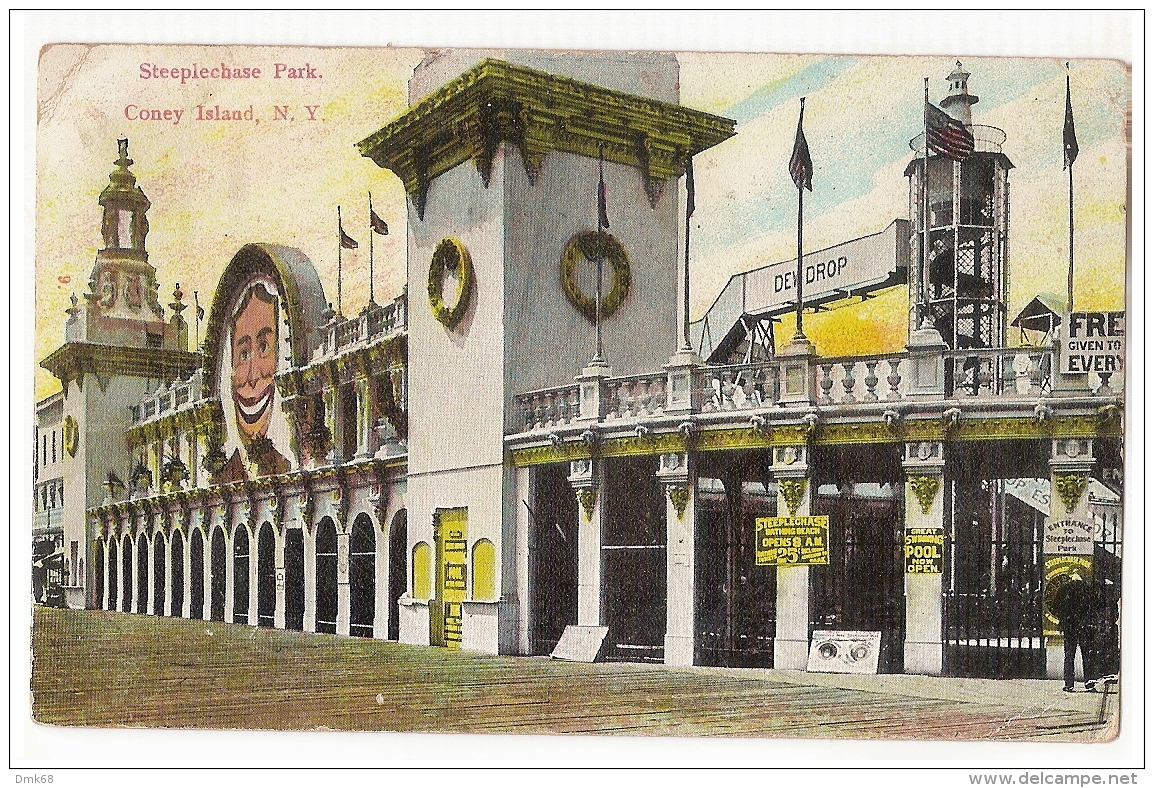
[(580, 392)]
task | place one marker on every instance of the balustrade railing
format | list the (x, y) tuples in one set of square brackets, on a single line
[(168, 399), (847, 381), (549, 407), (374, 321), (738, 386), (1007, 373), (635, 395)]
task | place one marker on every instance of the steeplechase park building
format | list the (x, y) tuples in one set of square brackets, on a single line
[(451, 469)]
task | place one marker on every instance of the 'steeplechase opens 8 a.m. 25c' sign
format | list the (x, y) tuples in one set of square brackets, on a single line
[(792, 541)]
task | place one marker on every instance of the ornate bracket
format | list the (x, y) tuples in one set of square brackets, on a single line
[(587, 497), (792, 490), (679, 497), (1070, 487), (924, 489)]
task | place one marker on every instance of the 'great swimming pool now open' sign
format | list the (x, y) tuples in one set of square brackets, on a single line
[(1093, 342)]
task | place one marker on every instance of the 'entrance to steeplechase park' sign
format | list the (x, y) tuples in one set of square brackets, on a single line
[(1068, 537), (924, 548), (1093, 342), (792, 541)]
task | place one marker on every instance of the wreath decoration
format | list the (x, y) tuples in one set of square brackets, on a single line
[(590, 246), (450, 255), (70, 431)]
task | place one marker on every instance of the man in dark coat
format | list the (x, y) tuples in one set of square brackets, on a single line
[(1071, 607)]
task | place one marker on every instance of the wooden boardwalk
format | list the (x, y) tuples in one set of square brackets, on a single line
[(113, 669)]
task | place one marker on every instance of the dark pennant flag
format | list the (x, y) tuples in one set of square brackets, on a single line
[(690, 203), (800, 164), (602, 214), (1069, 140), (377, 223), (346, 241), (947, 136)]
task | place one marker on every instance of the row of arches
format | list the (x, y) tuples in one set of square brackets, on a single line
[(189, 576)]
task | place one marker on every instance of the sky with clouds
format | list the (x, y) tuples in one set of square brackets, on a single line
[(217, 186)]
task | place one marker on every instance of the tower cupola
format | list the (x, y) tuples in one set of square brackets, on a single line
[(126, 207), (958, 101)]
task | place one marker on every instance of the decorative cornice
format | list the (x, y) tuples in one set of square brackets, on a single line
[(75, 359), (924, 489), (537, 112)]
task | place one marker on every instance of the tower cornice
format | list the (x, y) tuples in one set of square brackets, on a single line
[(71, 361), (537, 112)]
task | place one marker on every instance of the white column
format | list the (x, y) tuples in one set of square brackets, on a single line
[(679, 485), (366, 417), (526, 485), (791, 641), (1068, 541), (344, 598), (229, 568), (278, 616), (924, 539), (186, 562), (167, 577), (310, 570), (585, 476), (334, 418), (253, 574)]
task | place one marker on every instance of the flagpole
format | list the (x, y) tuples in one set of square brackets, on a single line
[(798, 333), (371, 233), (599, 358), (685, 343), (196, 314), (340, 246), (924, 263), (1065, 154)]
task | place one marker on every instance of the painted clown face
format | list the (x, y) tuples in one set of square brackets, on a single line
[(254, 363)]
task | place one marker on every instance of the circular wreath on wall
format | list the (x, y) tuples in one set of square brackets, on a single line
[(450, 255), (590, 246)]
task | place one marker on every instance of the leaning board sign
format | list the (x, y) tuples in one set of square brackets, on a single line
[(1093, 342), (792, 541)]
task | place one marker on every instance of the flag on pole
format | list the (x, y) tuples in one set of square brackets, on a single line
[(377, 223), (800, 164), (346, 241), (947, 136), (690, 203), (199, 308), (602, 213), (1069, 139)]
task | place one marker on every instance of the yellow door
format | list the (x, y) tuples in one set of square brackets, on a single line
[(452, 575)]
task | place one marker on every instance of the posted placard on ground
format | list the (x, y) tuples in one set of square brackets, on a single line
[(580, 644), (792, 541)]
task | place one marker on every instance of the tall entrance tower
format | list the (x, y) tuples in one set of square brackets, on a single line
[(118, 349), (960, 284), (502, 155)]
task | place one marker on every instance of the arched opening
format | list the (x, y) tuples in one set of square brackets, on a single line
[(362, 577), (422, 571), (294, 579), (484, 571), (240, 558), (141, 573), (113, 574), (176, 604), (398, 570), (196, 574), (217, 566), (265, 576), (326, 576), (126, 573), (158, 567), (98, 548)]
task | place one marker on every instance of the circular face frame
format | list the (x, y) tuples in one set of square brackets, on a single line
[(591, 246), (450, 255)]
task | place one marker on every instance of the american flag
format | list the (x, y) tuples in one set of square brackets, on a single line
[(947, 136), (800, 164)]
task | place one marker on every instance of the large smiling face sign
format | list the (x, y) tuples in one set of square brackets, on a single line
[(254, 361)]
